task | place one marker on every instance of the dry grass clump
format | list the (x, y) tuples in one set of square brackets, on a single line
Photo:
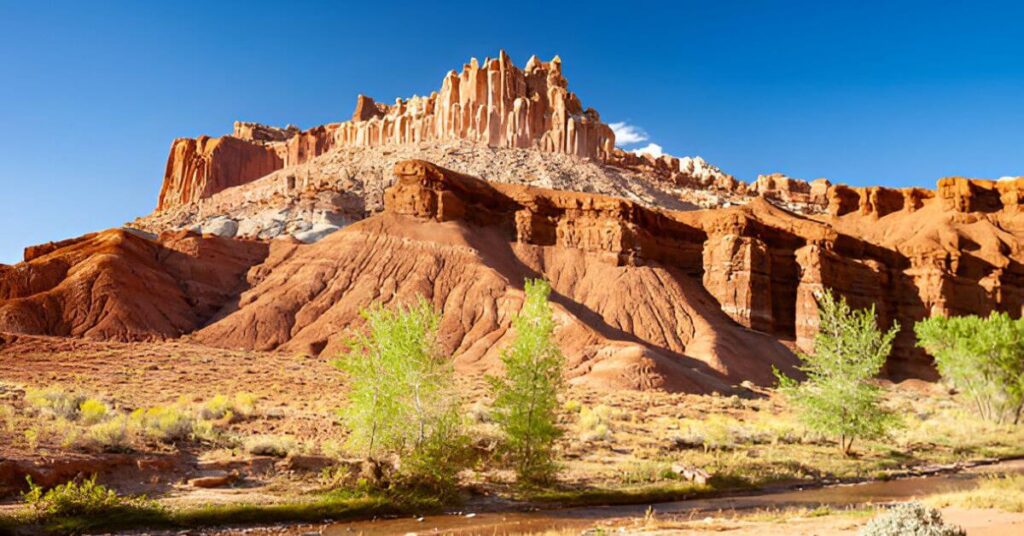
[(1001, 492), (596, 424), (222, 406), (270, 445), (647, 472), (721, 432), (112, 434)]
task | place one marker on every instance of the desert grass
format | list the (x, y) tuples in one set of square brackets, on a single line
[(1000, 492)]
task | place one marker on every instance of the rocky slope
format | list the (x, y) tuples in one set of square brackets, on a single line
[(347, 184), (683, 300), (467, 245), (122, 286)]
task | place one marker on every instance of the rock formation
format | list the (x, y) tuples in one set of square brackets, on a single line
[(759, 265), (495, 104), (685, 300), (668, 272), (199, 168), (467, 245), (120, 286), (795, 194)]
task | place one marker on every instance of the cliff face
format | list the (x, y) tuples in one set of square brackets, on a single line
[(199, 168), (493, 104), (904, 252)]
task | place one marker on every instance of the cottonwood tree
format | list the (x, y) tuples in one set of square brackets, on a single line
[(981, 357), (839, 397), (401, 398), (526, 397)]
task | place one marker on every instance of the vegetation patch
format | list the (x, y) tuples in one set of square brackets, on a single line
[(1000, 492)]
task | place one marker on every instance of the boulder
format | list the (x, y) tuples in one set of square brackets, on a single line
[(315, 233), (221, 226), (214, 479)]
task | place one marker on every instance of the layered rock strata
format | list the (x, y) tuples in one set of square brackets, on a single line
[(117, 285), (686, 300)]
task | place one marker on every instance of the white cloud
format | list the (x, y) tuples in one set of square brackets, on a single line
[(652, 149), (627, 134)]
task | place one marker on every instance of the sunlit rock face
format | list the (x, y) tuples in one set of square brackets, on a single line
[(493, 103)]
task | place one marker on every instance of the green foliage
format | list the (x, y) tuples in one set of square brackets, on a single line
[(83, 498), (401, 397), (839, 398), (526, 398), (910, 519), (983, 358)]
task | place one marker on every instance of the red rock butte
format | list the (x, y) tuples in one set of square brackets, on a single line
[(494, 103)]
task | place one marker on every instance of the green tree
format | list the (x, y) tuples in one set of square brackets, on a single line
[(401, 398), (526, 397), (981, 357), (839, 397)]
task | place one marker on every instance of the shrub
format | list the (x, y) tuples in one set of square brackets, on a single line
[(910, 519), (55, 402), (572, 406), (216, 407), (244, 404), (595, 424), (112, 435), (839, 397), (645, 472), (478, 413), (32, 438), (81, 499), (719, 433), (435, 463), (526, 398), (69, 433), (166, 423), (92, 411), (981, 357), (9, 417)]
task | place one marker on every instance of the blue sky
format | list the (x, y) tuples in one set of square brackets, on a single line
[(893, 93)]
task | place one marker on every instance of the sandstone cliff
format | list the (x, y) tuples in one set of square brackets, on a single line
[(199, 168), (493, 103)]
